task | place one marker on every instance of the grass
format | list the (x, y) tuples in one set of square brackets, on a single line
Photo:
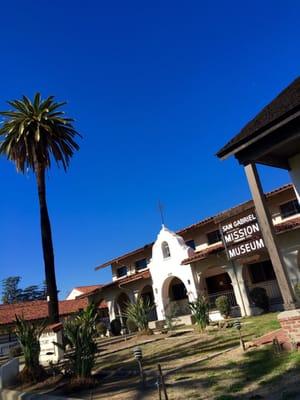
[(232, 375)]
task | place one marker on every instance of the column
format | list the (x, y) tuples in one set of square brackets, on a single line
[(294, 163), (267, 228), (239, 288)]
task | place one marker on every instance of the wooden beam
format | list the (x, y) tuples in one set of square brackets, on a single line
[(267, 228)]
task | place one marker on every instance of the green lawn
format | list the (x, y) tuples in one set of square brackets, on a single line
[(232, 375)]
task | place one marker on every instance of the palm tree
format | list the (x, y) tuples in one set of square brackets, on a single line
[(33, 134)]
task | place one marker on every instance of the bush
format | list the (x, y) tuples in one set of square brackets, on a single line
[(79, 334), (115, 327), (101, 328), (28, 334), (131, 326), (260, 298), (200, 311), (223, 305), (138, 312), (15, 351)]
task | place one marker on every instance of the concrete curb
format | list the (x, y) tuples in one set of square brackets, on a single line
[(6, 394)]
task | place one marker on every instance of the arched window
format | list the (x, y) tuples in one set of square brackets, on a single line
[(165, 250)]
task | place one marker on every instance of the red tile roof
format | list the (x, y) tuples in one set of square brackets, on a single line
[(38, 309), (202, 222), (87, 289)]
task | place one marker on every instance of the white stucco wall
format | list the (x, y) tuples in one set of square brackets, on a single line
[(73, 294), (295, 173), (163, 270)]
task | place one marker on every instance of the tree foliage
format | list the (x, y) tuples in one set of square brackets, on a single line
[(34, 133), (12, 293)]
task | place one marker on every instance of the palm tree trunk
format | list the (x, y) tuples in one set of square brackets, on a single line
[(47, 245)]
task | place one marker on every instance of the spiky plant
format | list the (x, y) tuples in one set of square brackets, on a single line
[(200, 311), (138, 312), (79, 335), (28, 334), (33, 134)]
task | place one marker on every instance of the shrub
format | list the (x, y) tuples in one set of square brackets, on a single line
[(223, 305), (131, 326), (28, 334), (260, 298), (115, 327), (200, 311), (101, 328), (79, 334), (15, 351), (138, 312)]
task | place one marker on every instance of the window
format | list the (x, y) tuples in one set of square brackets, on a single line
[(261, 272), (141, 264), (290, 208), (191, 243), (122, 271), (214, 237), (165, 250)]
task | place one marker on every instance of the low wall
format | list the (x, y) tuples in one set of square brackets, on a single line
[(9, 372), (290, 323)]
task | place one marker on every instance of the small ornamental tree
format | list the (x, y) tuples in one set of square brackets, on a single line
[(223, 305), (200, 311)]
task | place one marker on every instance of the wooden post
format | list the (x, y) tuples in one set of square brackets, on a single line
[(162, 381), (268, 233)]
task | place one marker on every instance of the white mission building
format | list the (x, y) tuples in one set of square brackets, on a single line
[(181, 265)]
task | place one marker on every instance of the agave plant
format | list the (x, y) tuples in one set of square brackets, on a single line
[(28, 334), (200, 311), (138, 312), (79, 335)]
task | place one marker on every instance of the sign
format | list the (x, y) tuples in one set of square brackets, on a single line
[(50, 352), (242, 236)]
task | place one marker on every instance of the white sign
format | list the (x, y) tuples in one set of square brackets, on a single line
[(242, 236)]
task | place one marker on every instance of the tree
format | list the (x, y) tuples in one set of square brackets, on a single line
[(34, 134), (10, 290), (31, 293)]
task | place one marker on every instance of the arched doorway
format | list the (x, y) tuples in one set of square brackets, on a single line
[(147, 295), (175, 297)]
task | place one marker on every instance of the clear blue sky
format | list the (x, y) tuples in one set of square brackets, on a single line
[(156, 89)]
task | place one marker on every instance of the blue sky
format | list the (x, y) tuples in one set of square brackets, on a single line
[(156, 89)]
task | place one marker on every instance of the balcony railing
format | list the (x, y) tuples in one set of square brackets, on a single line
[(272, 289), (229, 294)]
